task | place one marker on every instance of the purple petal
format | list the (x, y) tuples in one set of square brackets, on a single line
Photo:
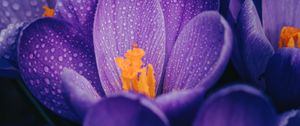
[(236, 106), (200, 54), (178, 13), (7, 70), (119, 24), (14, 14), (16, 11), (279, 13), (181, 107), (282, 78), (79, 91), (127, 110), (46, 47), (80, 13), (290, 118), (253, 46), (9, 37)]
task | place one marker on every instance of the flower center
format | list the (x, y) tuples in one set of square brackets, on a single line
[(49, 12), (289, 37), (135, 77)]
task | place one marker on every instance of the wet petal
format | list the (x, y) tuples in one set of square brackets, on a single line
[(78, 12), (9, 37), (200, 54), (128, 110), (252, 45), (181, 107), (290, 118), (79, 91), (119, 24), (16, 11), (46, 47), (279, 13), (179, 12), (282, 78), (236, 106)]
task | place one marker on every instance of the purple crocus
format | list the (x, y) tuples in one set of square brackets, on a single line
[(268, 55), (14, 15), (237, 105), (62, 60)]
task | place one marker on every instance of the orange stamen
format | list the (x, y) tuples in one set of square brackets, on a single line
[(289, 37), (135, 77), (49, 12)]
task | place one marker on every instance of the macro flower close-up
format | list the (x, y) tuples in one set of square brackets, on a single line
[(150, 62)]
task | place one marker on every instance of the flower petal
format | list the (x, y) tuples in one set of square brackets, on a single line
[(200, 54), (118, 24), (16, 11), (181, 107), (253, 46), (80, 13), (179, 12), (46, 47), (236, 106), (79, 91), (9, 37), (128, 110), (290, 118), (279, 13), (14, 14), (282, 78)]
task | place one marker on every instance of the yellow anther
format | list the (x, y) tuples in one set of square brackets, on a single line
[(49, 12), (289, 37), (135, 77)]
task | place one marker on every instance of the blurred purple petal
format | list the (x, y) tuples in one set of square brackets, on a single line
[(8, 70), (9, 37), (282, 78), (178, 13), (253, 46), (279, 13), (237, 106), (126, 110), (79, 91), (290, 118), (80, 13), (119, 24), (181, 107), (46, 47), (200, 54), (51, 3)]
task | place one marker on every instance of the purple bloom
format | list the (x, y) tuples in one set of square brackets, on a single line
[(63, 60), (259, 54), (14, 15), (238, 105)]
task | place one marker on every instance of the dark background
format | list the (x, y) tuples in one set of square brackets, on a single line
[(18, 109)]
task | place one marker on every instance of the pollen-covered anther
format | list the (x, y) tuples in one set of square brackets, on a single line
[(135, 77), (49, 12), (289, 37)]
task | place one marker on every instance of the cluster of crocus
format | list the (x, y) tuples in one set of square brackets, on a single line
[(135, 62), (266, 50)]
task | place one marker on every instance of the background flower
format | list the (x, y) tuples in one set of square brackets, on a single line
[(258, 57)]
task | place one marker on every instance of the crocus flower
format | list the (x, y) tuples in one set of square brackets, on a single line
[(237, 105), (84, 57), (268, 55), (14, 15)]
